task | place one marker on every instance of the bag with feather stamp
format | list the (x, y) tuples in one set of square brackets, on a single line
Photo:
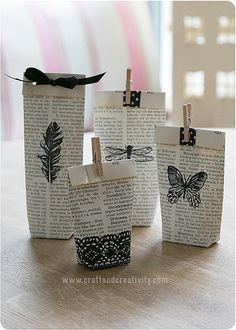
[(53, 135)]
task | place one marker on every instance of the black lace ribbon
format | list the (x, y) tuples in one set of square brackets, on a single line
[(40, 78), (105, 251)]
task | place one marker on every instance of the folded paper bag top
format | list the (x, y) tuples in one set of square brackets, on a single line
[(87, 174), (130, 98), (142, 99), (98, 171), (30, 89), (38, 83), (202, 138), (40, 78), (37, 77)]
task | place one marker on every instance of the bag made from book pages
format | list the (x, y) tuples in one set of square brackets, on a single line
[(127, 131), (102, 210), (53, 135), (191, 184)]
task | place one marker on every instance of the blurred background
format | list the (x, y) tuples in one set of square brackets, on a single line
[(183, 48)]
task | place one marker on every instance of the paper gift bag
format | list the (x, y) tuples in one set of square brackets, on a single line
[(127, 130), (102, 211), (53, 135), (191, 184)]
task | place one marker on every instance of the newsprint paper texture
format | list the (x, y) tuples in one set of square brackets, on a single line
[(128, 132), (102, 211), (53, 132), (191, 183)]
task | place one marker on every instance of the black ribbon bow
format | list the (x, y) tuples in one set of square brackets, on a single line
[(40, 78)]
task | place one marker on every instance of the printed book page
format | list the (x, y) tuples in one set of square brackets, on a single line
[(191, 183), (53, 131), (129, 133), (86, 174), (102, 208), (102, 215)]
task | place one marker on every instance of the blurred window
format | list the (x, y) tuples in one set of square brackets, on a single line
[(194, 84), (226, 30), (225, 84), (194, 32)]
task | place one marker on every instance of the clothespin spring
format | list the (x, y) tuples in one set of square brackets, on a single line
[(128, 86), (187, 118), (96, 155)]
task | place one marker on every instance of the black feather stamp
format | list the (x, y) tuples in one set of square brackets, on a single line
[(51, 145)]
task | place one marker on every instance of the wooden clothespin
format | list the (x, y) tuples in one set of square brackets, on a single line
[(187, 116), (189, 108), (96, 153), (128, 86)]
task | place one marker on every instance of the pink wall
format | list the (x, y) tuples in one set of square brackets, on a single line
[(75, 37)]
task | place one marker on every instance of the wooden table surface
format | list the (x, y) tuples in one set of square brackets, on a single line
[(190, 287)]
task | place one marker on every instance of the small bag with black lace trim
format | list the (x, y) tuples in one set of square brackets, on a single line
[(101, 200)]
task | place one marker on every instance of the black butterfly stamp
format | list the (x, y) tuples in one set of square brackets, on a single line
[(138, 155), (189, 187)]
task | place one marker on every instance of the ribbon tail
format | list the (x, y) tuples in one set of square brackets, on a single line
[(90, 80), (17, 79)]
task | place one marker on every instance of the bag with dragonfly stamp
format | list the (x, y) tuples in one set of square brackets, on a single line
[(101, 199), (125, 122), (53, 136), (191, 182)]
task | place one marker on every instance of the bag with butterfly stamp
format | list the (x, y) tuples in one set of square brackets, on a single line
[(190, 166), (125, 122), (53, 136), (101, 199)]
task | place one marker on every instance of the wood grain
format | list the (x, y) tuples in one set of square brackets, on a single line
[(196, 289)]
